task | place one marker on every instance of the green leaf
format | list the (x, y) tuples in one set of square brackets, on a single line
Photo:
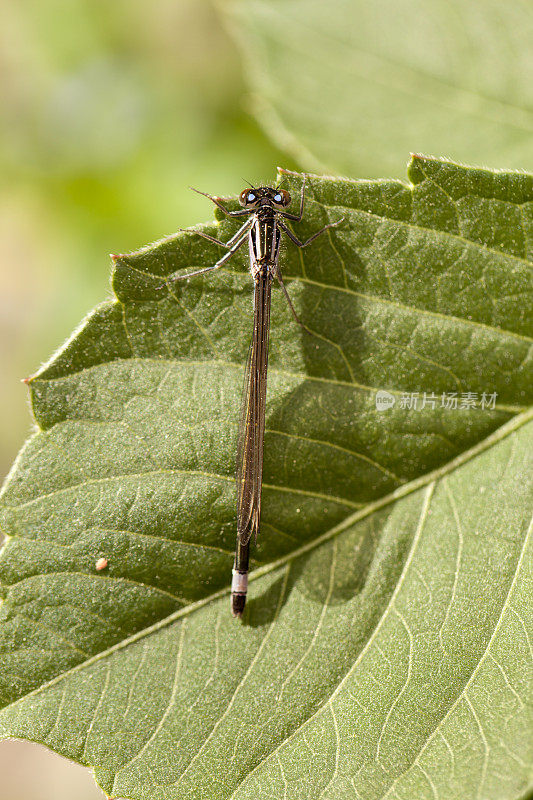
[(384, 648), (350, 86)]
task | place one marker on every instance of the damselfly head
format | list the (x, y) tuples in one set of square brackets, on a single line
[(252, 198)]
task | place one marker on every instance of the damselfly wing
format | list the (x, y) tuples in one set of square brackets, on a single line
[(265, 210)]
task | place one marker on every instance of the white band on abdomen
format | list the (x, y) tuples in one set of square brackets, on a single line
[(239, 583)]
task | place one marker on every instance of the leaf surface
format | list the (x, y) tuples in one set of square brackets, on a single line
[(349, 86), (384, 648)]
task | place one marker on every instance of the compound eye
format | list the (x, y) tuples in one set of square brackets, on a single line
[(282, 198), (247, 198)]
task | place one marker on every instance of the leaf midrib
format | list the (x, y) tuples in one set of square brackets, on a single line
[(501, 433)]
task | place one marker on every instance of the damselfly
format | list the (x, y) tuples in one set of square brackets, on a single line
[(264, 207)]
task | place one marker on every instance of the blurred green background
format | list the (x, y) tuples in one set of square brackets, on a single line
[(109, 112)]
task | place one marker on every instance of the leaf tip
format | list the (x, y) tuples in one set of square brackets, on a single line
[(283, 171)]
